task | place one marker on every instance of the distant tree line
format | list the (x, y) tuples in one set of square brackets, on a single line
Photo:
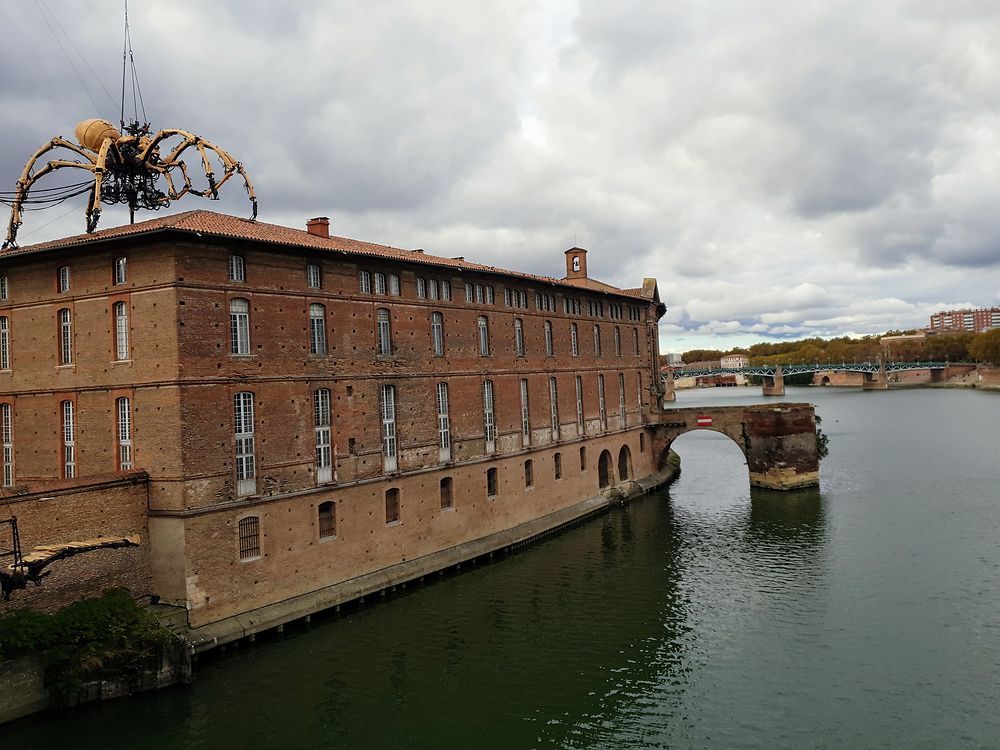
[(953, 347)]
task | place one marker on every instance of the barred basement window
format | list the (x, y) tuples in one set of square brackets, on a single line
[(121, 331), (529, 473), (557, 465), (321, 428), (384, 332), (444, 427), (239, 326), (7, 435), (317, 329), (489, 421), (525, 414), (63, 278), (4, 343), (69, 439), (483, 328), (327, 516), (549, 344), (392, 506), (447, 497), (388, 404), (65, 337), (574, 340), (437, 334), (519, 337), (554, 408), (124, 408), (491, 484), (119, 271), (249, 534), (243, 430), (237, 268), (579, 405), (314, 279), (365, 282)]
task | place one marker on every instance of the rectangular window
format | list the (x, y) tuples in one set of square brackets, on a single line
[(618, 342), (121, 331), (574, 340), (529, 473), (483, 328), (434, 289), (317, 329), (392, 506), (120, 271), (446, 290), (519, 337), (468, 293), (321, 427), (63, 277), (621, 397), (388, 401), (479, 293), (243, 430), (384, 332), (237, 268), (3, 288), (421, 288), (365, 282), (65, 337), (549, 344), (506, 297), (583, 459), (7, 434), (444, 427), (447, 496), (601, 407), (638, 388), (635, 341), (554, 408), (314, 279), (437, 334), (557, 465), (393, 285), (4, 343), (69, 440), (491, 483), (327, 517), (249, 535), (124, 409), (379, 283), (597, 340), (239, 326), (490, 298), (579, 405), (525, 414), (489, 422)]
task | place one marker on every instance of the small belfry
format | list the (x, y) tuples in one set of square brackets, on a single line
[(126, 164)]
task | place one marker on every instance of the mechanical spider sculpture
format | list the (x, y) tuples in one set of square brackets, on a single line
[(126, 170)]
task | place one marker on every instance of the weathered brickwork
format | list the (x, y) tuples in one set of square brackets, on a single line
[(226, 328)]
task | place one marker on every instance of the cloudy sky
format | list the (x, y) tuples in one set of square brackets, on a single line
[(784, 169)]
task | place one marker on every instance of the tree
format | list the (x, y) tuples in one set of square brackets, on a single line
[(986, 347)]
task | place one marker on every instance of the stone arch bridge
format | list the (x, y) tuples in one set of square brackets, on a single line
[(779, 442)]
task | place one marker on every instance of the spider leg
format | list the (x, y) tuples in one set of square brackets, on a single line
[(29, 177), (94, 204)]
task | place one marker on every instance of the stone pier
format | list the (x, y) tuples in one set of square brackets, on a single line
[(777, 383), (876, 381)]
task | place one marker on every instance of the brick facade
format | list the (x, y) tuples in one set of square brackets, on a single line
[(184, 382)]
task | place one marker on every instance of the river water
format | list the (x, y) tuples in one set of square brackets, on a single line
[(862, 614)]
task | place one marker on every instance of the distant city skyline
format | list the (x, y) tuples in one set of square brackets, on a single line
[(783, 170)]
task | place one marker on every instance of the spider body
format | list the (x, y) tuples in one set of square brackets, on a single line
[(126, 168)]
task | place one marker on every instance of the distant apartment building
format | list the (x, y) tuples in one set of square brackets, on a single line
[(976, 320), (735, 361), (675, 359)]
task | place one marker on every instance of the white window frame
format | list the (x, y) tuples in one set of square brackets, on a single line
[(243, 433), (394, 285), (120, 270), (550, 349), (390, 454), (574, 340), (237, 268), (490, 296), (480, 297), (554, 407), (123, 408), (7, 434), (518, 337), (437, 334), (421, 288), (638, 385), (317, 328), (121, 331), (446, 290), (4, 343), (444, 425), (379, 282), (383, 332), (314, 276), (483, 329), (65, 336), (601, 405), (365, 282), (468, 293), (3, 288), (597, 340), (432, 290), (621, 397), (525, 414), (580, 424), (322, 430), (69, 439), (239, 326), (489, 418), (618, 342), (64, 279), (635, 341)]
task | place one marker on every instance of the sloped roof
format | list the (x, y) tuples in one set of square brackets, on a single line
[(211, 224)]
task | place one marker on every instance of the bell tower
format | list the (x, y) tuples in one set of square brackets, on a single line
[(576, 263)]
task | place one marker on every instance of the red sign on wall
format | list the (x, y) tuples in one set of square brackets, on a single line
[(704, 421)]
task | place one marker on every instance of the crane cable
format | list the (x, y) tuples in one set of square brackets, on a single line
[(128, 63)]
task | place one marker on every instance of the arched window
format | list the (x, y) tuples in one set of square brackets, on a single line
[(121, 330), (239, 326), (237, 268), (388, 403), (317, 329), (549, 344), (69, 439), (379, 283), (525, 414), (4, 343), (597, 340), (519, 337), (433, 289), (124, 408), (65, 337), (483, 329), (444, 426), (62, 277), (635, 341), (243, 432), (489, 419), (579, 405), (321, 428), (554, 408), (576, 262), (437, 333), (618, 342), (446, 290), (383, 332), (421, 288), (314, 279), (365, 282), (468, 293), (602, 408), (327, 516), (574, 340), (119, 271), (394, 285)]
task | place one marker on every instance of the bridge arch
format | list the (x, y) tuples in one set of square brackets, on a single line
[(605, 470)]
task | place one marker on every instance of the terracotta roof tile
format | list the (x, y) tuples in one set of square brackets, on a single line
[(213, 224)]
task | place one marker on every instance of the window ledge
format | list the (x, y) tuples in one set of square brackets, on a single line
[(251, 559)]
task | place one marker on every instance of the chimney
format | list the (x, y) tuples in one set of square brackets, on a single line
[(576, 263), (320, 226)]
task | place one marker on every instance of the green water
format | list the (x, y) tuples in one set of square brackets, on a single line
[(864, 614)]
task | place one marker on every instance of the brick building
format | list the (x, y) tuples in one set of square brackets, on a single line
[(310, 409), (977, 320)]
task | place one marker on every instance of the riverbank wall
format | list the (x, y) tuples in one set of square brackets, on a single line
[(275, 616)]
